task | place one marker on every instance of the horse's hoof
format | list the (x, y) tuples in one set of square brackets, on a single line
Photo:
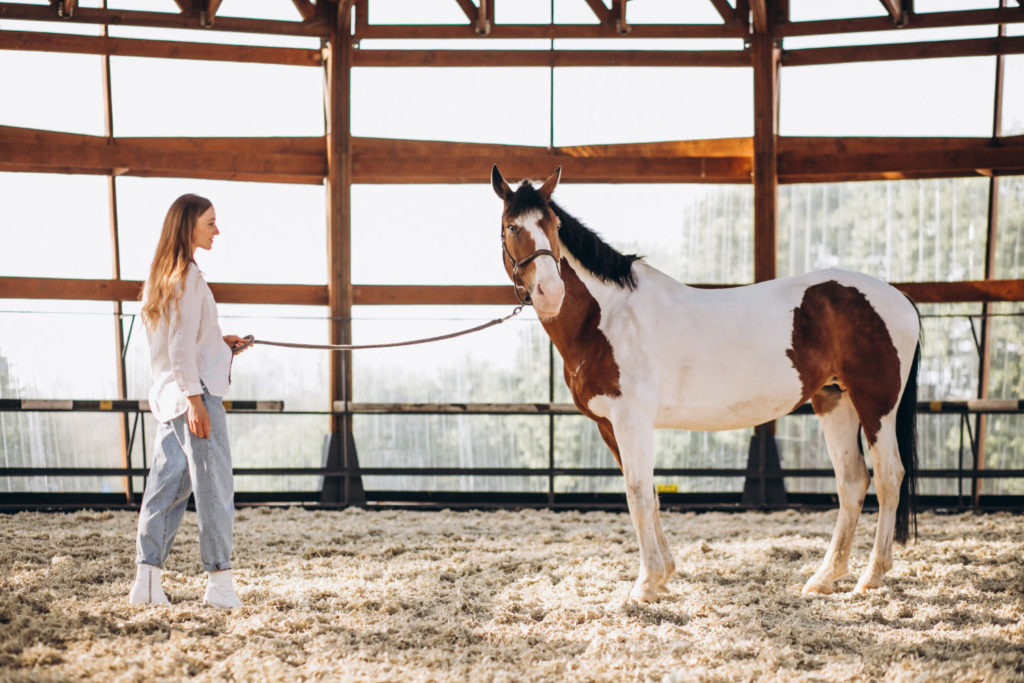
[(867, 584), (813, 587), (643, 596)]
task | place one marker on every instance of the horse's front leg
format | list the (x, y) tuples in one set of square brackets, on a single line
[(635, 440)]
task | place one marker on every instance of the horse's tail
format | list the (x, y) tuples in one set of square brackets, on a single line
[(906, 440)]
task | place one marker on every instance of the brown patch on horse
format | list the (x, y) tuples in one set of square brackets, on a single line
[(826, 399), (589, 363), (839, 337)]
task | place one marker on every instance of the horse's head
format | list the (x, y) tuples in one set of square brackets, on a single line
[(530, 244)]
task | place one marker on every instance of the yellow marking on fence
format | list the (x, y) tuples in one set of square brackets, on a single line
[(106, 405), (227, 405), (935, 406), (667, 488)]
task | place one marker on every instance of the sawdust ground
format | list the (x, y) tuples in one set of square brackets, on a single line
[(510, 596)]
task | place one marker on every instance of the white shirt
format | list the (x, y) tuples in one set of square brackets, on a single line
[(186, 348)]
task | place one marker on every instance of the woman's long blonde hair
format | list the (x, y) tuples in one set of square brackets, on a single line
[(173, 255)]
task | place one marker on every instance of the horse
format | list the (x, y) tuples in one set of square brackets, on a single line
[(643, 351)]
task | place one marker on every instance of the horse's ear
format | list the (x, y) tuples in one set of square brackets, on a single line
[(501, 188), (549, 185)]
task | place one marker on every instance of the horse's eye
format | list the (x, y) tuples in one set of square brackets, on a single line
[(512, 228)]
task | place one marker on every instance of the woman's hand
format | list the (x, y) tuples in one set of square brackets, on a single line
[(236, 343), (198, 417)]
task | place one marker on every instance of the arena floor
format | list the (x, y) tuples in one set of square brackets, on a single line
[(510, 596)]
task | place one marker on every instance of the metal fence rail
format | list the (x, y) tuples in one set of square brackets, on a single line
[(348, 472)]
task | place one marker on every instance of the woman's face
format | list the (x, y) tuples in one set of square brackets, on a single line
[(204, 230)]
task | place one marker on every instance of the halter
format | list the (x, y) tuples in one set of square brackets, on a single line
[(524, 297)]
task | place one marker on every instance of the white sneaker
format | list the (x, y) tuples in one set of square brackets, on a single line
[(146, 590), (220, 592)]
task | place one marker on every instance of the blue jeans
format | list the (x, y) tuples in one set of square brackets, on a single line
[(183, 463)]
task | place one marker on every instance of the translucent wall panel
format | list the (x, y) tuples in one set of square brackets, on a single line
[(427, 234), (39, 359), (54, 225), (503, 364), (49, 90), (1004, 439), (1009, 262), (277, 441), (929, 230), (671, 12), (421, 12), (578, 443), (58, 349), (468, 441), (917, 98), (694, 233), (221, 37), (167, 97), (814, 10), (638, 104), (496, 105), (60, 440), (1013, 95), (272, 233)]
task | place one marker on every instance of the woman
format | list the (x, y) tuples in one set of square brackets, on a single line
[(191, 363)]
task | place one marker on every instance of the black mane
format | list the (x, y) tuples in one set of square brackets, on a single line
[(596, 255)]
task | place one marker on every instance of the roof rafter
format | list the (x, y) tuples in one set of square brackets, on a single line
[(306, 9), (601, 11), (896, 10), (725, 10), (479, 16), (759, 13), (65, 8)]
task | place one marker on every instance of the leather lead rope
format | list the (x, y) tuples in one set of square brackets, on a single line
[(250, 340)]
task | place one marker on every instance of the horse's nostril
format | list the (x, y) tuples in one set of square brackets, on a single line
[(540, 290)]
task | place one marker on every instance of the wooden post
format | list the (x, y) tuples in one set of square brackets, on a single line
[(115, 247), (991, 236), (766, 57), (340, 451)]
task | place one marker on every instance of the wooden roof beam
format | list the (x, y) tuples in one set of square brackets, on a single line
[(133, 47), (550, 58), (377, 295), (601, 11), (975, 47)]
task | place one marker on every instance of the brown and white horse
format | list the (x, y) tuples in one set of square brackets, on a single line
[(643, 351)]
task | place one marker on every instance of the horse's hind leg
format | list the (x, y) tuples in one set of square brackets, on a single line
[(888, 476), (839, 422), (666, 554)]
